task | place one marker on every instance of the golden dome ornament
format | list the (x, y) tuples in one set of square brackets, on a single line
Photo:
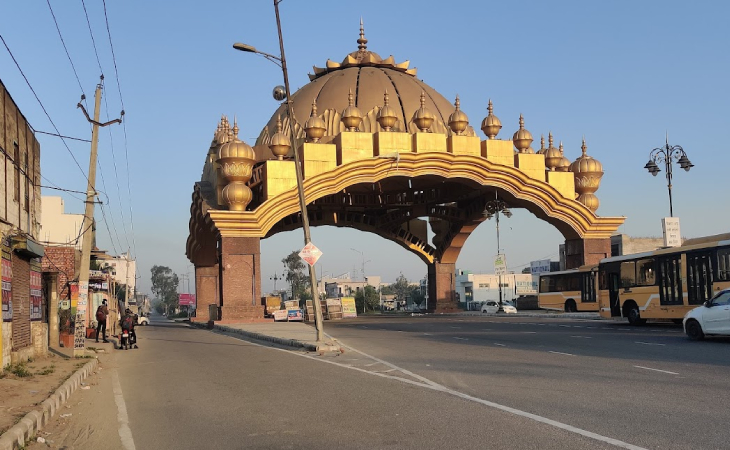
[(542, 145), (280, 143), (387, 116), (351, 116), (423, 118), (564, 163), (236, 160), (588, 173), (491, 124), (458, 121), (522, 138), (315, 126), (552, 154)]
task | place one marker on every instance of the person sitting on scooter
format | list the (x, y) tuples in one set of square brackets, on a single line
[(127, 323)]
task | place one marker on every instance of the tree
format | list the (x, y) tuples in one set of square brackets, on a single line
[(122, 292), (367, 298), (416, 295), (294, 274), (401, 288), (164, 286)]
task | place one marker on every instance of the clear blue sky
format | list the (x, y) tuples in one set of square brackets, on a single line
[(620, 73)]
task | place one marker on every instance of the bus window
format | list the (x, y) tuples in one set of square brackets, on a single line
[(723, 264), (628, 274), (645, 274)]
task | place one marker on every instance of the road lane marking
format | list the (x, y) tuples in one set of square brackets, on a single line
[(528, 332), (501, 345), (125, 433), (373, 364), (427, 334), (564, 326), (561, 353), (583, 337), (458, 328), (657, 370), (461, 338), (649, 343)]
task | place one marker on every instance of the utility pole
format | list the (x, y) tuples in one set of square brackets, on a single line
[(88, 223), (126, 290)]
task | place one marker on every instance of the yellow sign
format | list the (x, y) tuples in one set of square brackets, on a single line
[(348, 307)]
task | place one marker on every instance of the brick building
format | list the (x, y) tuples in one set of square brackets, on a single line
[(24, 315)]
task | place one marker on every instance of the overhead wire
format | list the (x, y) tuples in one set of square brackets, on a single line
[(93, 42), (65, 48)]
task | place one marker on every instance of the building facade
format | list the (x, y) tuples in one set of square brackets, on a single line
[(24, 315), (474, 289), (58, 228), (122, 269)]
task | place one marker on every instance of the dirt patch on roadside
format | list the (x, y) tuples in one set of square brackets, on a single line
[(24, 386)]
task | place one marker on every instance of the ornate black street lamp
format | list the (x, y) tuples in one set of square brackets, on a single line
[(492, 209), (666, 155)]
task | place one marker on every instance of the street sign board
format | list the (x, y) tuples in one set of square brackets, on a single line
[(500, 264), (540, 266), (672, 236), (310, 253)]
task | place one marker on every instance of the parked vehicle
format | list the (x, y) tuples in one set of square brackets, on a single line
[(143, 320), (712, 318), (508, 308), (490, 307)]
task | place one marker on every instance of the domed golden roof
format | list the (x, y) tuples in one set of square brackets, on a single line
[(233, 147), (552, 154), (522, 138), (564, 163), (315, 126), (367, 80), (458, 121), (491, 124), (280, 143), (351, 116), (585, 163), (423, 117)]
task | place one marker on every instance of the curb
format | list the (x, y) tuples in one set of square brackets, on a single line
[(264, 337), (23, 431)]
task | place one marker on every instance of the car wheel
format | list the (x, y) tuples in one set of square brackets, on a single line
[(634, 315), (694, 330)]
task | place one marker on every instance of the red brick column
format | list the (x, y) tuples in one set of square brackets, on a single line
[(206, 291), (579, 252), (442, 287), (241, 279)]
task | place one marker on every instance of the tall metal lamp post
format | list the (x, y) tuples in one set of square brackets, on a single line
[(281, 62), (666, 155), (492, 209)]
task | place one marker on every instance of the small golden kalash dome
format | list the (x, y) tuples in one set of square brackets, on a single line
[(588, 173), (564, 163), (235, 159), (280, 143), (552, 155), (522, 138), (491, 124), (352, 91)]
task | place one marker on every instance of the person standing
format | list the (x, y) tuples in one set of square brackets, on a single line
[(102, 312)]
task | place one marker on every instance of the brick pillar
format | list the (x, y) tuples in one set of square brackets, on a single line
[(442, 287), (241, 279), (206, 291), (579, 252)]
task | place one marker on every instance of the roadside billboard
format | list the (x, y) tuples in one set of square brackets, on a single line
[(540, 266), (186, 299)]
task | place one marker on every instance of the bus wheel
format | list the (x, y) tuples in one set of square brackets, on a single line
[(570, 306), (632, 312), (694, 331)]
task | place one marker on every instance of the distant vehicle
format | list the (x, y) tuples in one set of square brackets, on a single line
[(508, 308), (665, 283), (143, 320), (490, 307), (711, 318), (569, 290)]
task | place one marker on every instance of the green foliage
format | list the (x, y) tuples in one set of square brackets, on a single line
[(122, 292), (401, 288), (164, 286), (19, 370), (367, 299), (294, 273), (47, 370), (416, 296), (94, 265)]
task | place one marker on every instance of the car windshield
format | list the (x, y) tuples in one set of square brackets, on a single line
[(722, 298)]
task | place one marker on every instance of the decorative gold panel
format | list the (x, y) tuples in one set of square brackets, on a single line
[(385, 142), (428, 142), (499, 151), (353, 146), (564, 182), (317, 158), (280, 176), (463, 145), (531, 164)]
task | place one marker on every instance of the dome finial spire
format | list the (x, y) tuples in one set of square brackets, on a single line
[(362, 43)]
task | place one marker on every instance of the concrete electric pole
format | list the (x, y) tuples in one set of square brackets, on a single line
[(87, 226)]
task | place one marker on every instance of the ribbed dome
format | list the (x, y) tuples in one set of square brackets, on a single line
[(368, 79), (236, 149), (585, 163)]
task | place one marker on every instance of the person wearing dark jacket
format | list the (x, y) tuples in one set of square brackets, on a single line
[(127, 324), (102, 312)]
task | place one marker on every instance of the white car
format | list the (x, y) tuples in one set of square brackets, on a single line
[(490, 307), (509, 308), (143, 320), (711, 318)]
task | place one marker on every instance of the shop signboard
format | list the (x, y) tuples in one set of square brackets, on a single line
[(7, 277), (349, 310), (36, 289)]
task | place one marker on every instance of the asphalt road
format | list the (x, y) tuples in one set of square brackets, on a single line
[(428, 382)]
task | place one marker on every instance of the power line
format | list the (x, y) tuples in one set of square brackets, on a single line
[(43, 108), (64, 46), (114, 247), (61, 189), (93, 42)]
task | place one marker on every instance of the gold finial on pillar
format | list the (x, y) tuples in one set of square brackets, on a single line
[(491, 124), (458, 121), (387, 116), (351, 116), (588, 173), (423, 118), (522, 138), (564, 163), (236, 160), (315, 126), (542, 145), (362, 43), (280, 143), (235, 127), (552, 154)]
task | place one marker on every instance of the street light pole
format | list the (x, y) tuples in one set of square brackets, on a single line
[(493, 208), (298, 169), (666, 155)]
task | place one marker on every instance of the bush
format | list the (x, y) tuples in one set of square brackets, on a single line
[(19, 370)]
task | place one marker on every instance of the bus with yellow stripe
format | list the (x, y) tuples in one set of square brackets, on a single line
[(665, 283), (569, 290)]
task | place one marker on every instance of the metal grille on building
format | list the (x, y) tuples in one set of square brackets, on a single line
[(21, 302)]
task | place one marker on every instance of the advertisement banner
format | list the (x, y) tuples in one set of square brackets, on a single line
[(80, 330), (540, 266), (348, 308), (500, 264), (36, 289), (186, 299), (295, 315), (7, 277)]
